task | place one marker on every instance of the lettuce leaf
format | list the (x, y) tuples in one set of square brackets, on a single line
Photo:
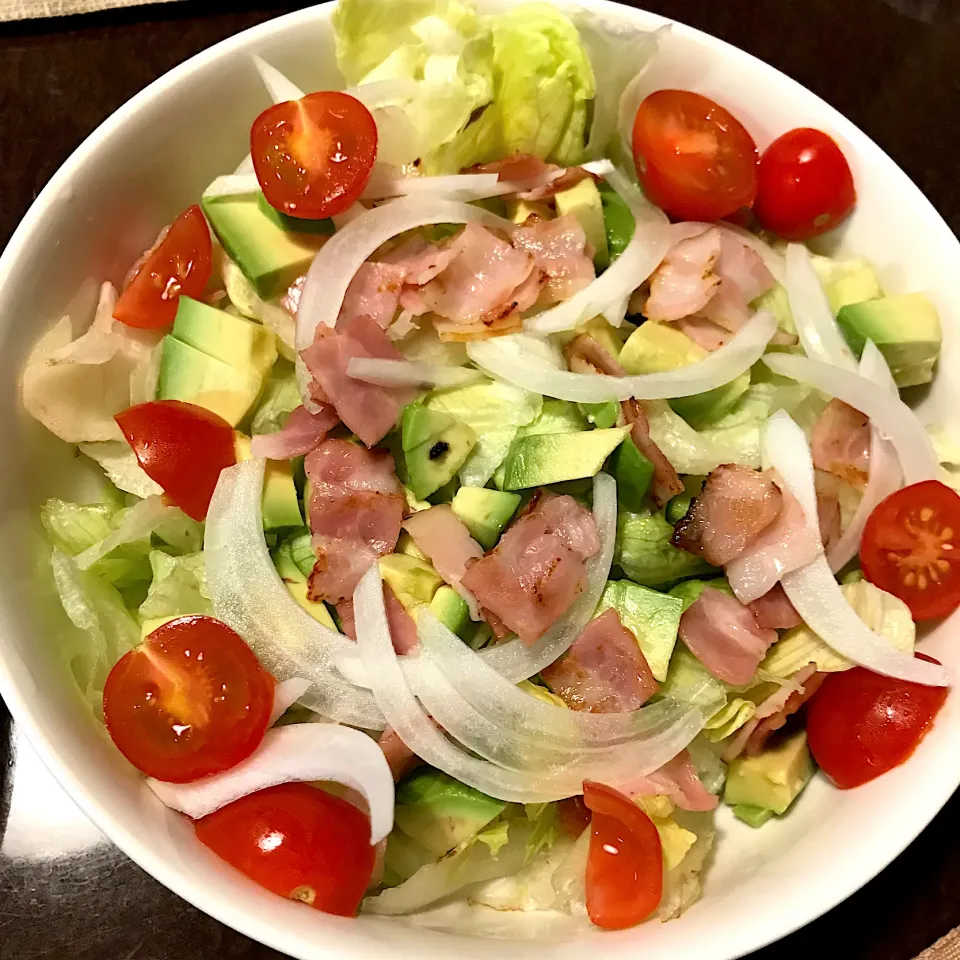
[(279, 399), (178, 587)]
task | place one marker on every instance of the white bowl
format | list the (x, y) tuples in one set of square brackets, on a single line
[(153, 158)]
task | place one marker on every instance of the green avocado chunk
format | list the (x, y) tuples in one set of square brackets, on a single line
[(755, 816), (847, 281), (652, 617), (689, 591), (583, 202), (271, 249), (542, 459), (234, 340), (440, 812), (602, 415), (618, 221), (906, 328), (451, 610), (657, 348), (679, 505), (435, 462), (420, 424), (485, 513), (772, 779), (193, 376), (646, 555), (633, 473)]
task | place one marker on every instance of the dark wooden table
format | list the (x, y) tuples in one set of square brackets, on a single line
[(889, 65)]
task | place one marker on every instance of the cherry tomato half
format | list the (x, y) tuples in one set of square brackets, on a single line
[(181, 446), (190, 701), (861, 724), (694, 158), (313, 156), (911, 548), (180, 264), (296, 841), (805, 185), (625, 862)]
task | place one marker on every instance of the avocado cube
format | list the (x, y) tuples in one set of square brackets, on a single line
[(772, 779), (272, 250), (485, 513), (280, 503), (316, 608), (451, 610), (652, 617), (657, 348), (234, 340), (542, 459), (519, 211), (602, 415), (582, 201), (679, 505), (755, 816), (618, 221), (633, 473), (689, 591), (193, 376), (434, 463), (645, 553), (906, 329), (412, 580), (847, 281), (440, 812), (419, 424)]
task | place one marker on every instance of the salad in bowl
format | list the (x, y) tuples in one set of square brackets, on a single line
[(496, 485)]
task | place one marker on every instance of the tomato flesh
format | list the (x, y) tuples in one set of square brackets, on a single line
[(313, 156), (861, 724), (190, 701), (909, 548), (298, 842), (694, 159), (180, 264), (181, 446), (625, 864), (805, 185)]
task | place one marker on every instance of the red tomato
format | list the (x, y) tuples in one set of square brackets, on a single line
[(805, 186), (909, 548), (190, 701), (625, 863), (694, 159), (313, 156), (296, 841), (181, 446), (181, 263), (861, 724)]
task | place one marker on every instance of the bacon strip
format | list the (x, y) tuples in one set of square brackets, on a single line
[(301, 433), (841, 443)]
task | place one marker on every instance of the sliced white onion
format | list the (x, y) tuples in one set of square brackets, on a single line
[(616, 313), (599, 168), (233, 185), (286, 695), (634, 92), (280, 88), (813, 590), (517, 660), (140, 522), (885, 473), (410, 373), (887, 412), (652, 237), (818, 331), (346, 251), (296, 753), (387, 182), (248, 595), (508, 358)]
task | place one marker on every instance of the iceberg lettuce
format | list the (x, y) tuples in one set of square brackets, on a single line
[(178, 587)]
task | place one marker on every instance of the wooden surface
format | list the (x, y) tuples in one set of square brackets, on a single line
[(889, 65)]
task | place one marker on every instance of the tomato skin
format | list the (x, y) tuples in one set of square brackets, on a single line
[(625, 863), (694, 159), (181, 446), (190, 701), (909, 548), (298, 842), (861, 724), (181, 264), (313, 156), (805, 185)]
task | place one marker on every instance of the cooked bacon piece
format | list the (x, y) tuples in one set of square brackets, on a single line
[(677, 779), (374, 292), (585, 355), (518, 168), (368, 410), (774, 611), (533, 575), (724, 636), (604, 671), (828, 507), (841, 443), (300, 434), (705, 333), (400, 758), (444, 538), (403, 631), (735, 506), (558, 249), (685, 281), (784, 545), (356, 508), (740, 264), (421, 261)]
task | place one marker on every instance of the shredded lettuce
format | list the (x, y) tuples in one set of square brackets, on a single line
[(279, 399), (178, 587), (120, 464), (729, 719)]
